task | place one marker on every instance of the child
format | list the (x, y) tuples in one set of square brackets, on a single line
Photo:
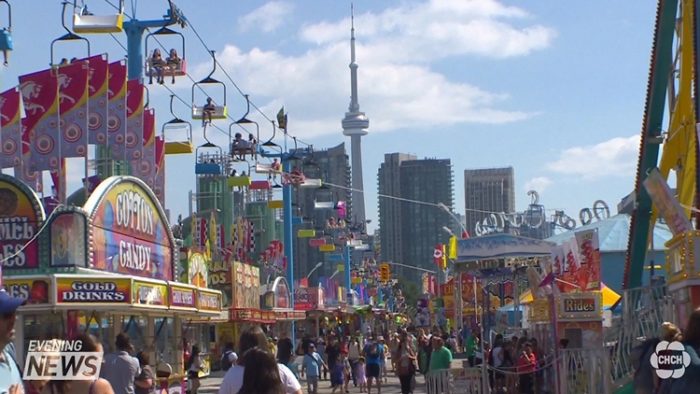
[(347, 370), (338, 373), (360, 374)]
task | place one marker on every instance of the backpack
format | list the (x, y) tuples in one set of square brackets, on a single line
[(225, 364), (373, 350)]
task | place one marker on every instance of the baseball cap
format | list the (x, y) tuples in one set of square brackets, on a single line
[(8, 303)]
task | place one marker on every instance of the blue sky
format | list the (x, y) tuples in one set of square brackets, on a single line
[(554, 89)]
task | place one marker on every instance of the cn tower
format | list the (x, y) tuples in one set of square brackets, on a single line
[(355, 125)]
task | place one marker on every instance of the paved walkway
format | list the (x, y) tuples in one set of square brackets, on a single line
[(211, 384)]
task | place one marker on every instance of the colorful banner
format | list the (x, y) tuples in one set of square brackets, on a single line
[(30, 178), (35, 291), (116, 110), (182, 297), (208, 300), (246, 283), (308, 298), (10, 136), (197, 272), (159, 182), (73, 108), (98, 84), (587, 274), (666, 203), (134, 121), (130, 232), (145, 168), (149, 294), (40, 125), (21, 216), (93, 290), (68, 240)]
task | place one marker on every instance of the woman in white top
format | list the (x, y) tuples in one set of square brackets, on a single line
[(195, 366), (233, 380)]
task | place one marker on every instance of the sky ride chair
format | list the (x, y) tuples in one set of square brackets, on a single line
[(6, 35), (175, 65), (209, 158), (69, 36), (211, 110), (177, 126), (86, 22)]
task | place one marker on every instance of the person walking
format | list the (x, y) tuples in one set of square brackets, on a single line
[(262, 377), (120, 368), (374, 354), (312, 365), (405, 364), (10, 371)]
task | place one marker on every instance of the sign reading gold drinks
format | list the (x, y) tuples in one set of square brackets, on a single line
[(130, 231), (81, 290)]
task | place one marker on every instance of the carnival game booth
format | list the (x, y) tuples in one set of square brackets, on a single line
[(104, 268), (495, 260), (276, 299)]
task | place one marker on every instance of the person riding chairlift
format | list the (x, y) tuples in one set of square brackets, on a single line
[(158, 65), (173, 62), (239, 146), (208, 111)]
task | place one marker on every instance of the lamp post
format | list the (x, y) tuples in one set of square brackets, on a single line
[(317, 266)]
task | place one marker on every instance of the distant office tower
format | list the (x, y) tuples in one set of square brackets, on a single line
[(489, 190), (389, 184), (317, 205), (410, 230)]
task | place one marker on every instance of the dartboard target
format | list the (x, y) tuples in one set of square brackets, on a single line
[(130, 140), (113, 123), (44, 144), (9, 147), (136, 155), (72, 133), (94, 121)]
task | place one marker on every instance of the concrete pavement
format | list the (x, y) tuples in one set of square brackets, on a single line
[(211, 384)]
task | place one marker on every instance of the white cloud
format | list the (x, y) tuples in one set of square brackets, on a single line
[(398, 89), (538, 184), (267, 17), (616, 157)]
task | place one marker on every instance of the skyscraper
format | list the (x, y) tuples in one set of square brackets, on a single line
[(409, 229), (390, 220), (355, 125), (488, 190), (331, 165)]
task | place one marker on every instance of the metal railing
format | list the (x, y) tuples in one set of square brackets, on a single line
[(644, 309), (454, 381)]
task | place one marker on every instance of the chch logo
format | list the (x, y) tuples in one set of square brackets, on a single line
[(670, 360)]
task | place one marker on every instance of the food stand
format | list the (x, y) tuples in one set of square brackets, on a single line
[(104, 268)]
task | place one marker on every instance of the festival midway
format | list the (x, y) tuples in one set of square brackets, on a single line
[(167, 226)]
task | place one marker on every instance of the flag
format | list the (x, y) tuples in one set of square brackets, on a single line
[(10, 136), (282, 119), (98, 84), (145, 167), (73, 108), (134, 122), (40, 125), (439, 256), (116, 110), (453, 248), (159, 183), (547, 280)]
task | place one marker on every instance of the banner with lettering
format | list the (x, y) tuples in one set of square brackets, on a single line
[(73, 108), (10, 136), (587, 276), (40, 125), (159, 183), (130, 232), (98, 85), (134, 122), (21, 216), (89, 290), (116, 110), (145, 167), (570, 264)]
